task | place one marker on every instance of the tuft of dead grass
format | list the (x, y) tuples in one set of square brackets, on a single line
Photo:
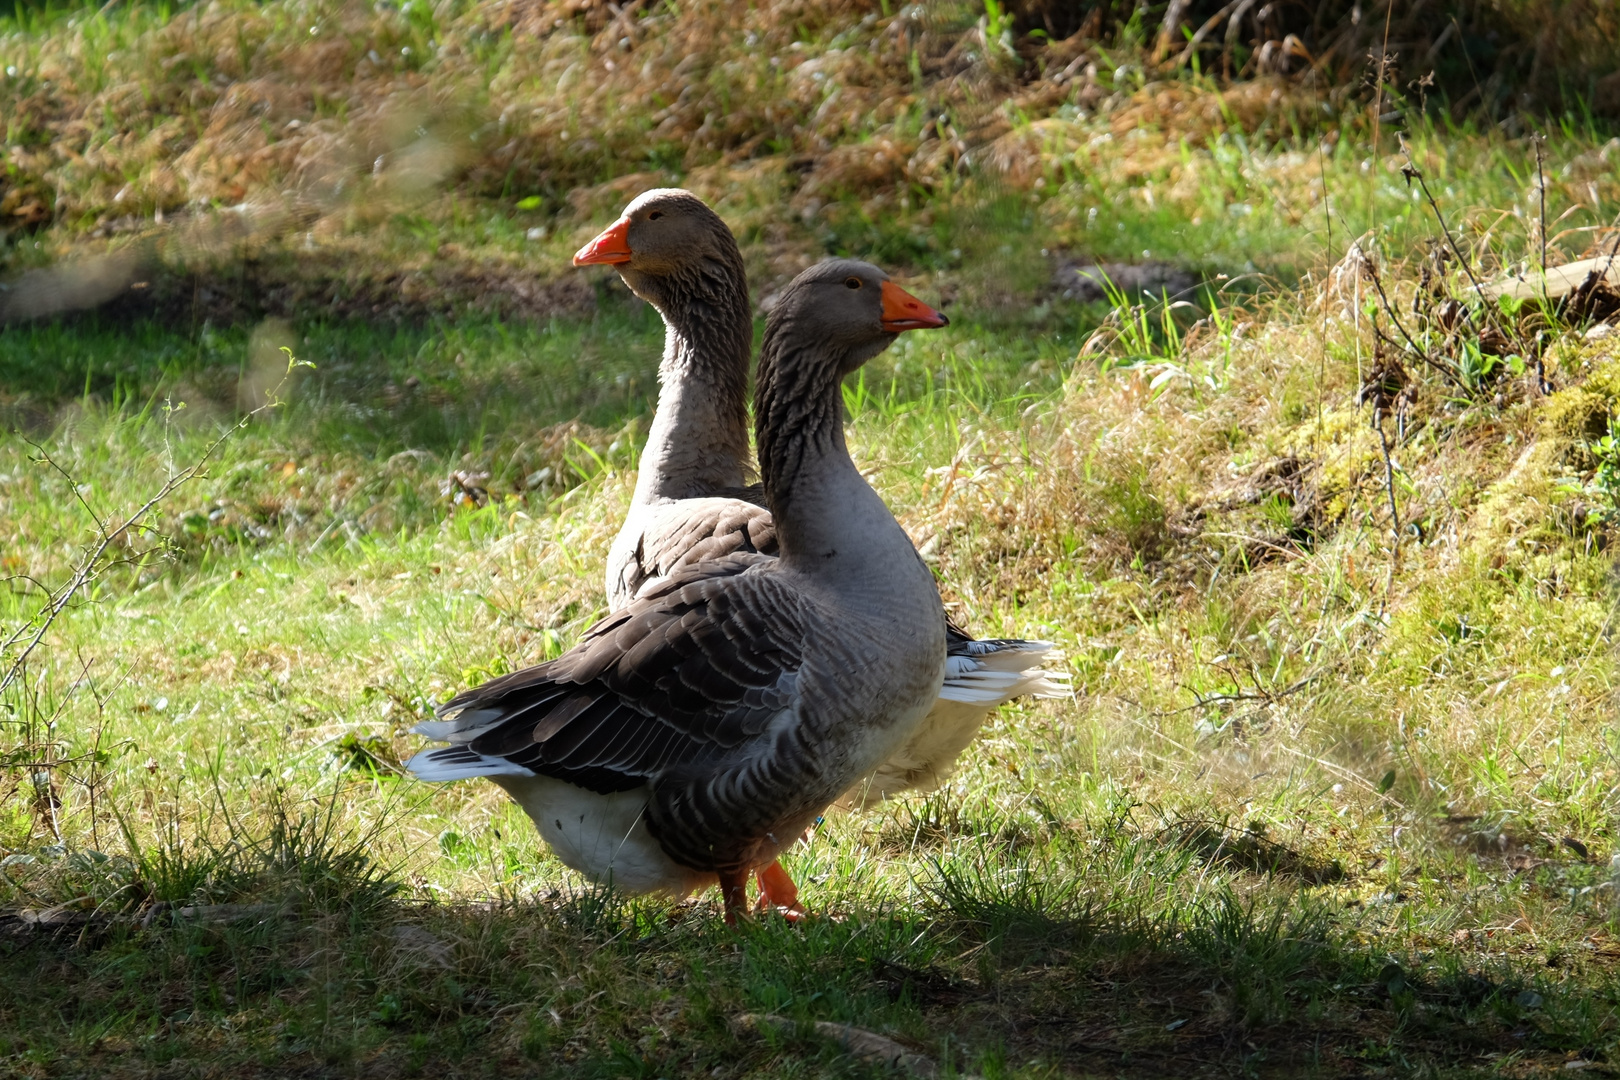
[(276, 151)]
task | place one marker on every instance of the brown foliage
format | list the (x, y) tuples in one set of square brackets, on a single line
[(348, 104)]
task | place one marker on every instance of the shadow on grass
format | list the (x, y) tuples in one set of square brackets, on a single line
[(293, 951), (376, 388), (1151, 962)]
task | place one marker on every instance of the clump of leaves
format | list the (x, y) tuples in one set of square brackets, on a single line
[(1605, 484)]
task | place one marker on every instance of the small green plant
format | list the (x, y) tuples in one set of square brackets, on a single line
[(1605, 484), (998, 24), (1135, 334)]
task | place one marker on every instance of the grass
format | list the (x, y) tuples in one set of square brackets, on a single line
[(239, 160), (1336, 795), (1296, 820)]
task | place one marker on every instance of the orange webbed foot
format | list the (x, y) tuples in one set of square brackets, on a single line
[(777, 892)]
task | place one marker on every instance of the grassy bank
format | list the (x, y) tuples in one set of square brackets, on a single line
[(1325, 539), (1306, 812), (231, 160)]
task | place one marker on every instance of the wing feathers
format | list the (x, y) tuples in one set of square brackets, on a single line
[(692, 669), (695, 531)]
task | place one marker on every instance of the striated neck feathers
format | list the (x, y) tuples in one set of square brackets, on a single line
[(698, 443), (799, 427)]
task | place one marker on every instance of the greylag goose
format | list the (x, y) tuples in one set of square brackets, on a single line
[(689, 737), (691, 502)]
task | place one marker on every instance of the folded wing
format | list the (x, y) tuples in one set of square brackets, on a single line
[(694, 668), (680, 535)]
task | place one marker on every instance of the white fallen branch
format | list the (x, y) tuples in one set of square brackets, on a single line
[(223, 913), (1559, 281)]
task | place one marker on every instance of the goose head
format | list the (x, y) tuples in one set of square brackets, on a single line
[(851, 310), (667, 243)]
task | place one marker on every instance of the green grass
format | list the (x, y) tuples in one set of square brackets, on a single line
[(1198, 863), (1318, 807)]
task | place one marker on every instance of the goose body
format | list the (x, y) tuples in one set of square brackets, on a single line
[(693, 734), (680, 739), (691, 502)]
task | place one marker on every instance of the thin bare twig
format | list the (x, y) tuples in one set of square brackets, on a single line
[(1383, 73), (1541, 190), (45, 458), (1441, 366), (87, 570), (1412, 172), (1394, 510), (1204, 701), (32, 631), (1614, 249), (1327, 208)]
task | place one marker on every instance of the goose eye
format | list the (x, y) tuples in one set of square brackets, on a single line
[(655, 215), (852, 282)]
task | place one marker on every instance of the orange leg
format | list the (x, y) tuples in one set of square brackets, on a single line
[(776, 890), (734, 891)]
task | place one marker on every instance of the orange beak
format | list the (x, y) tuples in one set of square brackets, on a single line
[(902, 311), (612, 247)]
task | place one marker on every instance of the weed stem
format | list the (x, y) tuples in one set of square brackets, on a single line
[(1394, 510), (1415, 173)]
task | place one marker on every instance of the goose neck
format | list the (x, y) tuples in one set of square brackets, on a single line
[(827, 517), (698, 442)]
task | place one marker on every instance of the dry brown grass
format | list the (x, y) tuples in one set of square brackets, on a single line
[(324, 125), (342, 134), (113, 119)]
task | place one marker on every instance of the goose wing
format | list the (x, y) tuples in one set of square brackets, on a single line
[(692, 531), (695, 667)]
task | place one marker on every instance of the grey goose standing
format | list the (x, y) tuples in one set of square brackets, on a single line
[(692, 499), (691, 736)]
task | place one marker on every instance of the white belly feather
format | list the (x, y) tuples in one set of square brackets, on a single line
[(604, 837)]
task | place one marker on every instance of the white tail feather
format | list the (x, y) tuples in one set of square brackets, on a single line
[(459, 763), (437, 730), (464, 727), (992, 672)]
